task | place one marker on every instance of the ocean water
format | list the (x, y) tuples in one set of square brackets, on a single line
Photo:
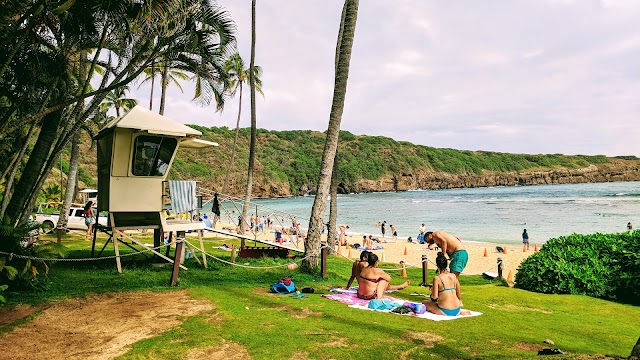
[(494, 214)]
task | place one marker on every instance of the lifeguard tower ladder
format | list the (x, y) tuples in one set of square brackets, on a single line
[(135, 153)]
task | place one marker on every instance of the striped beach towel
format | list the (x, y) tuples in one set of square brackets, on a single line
[(183, 196)]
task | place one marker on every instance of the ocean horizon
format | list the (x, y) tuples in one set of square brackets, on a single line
[(486, 214)]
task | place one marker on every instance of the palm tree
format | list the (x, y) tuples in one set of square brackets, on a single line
[(237, 75), (124, 38), (170, 76), (118, 99), (343, 58), (252, 144)]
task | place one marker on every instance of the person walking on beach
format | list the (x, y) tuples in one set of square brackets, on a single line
[(384, 223), (451, 246), (394, 232), (525, 238), (629, 226), (423, 229)]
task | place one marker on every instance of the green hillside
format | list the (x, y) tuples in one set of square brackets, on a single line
[(288, 162)]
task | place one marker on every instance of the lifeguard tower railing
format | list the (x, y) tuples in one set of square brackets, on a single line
[(231, 210)]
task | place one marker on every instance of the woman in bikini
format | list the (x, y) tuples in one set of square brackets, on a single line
[(373, 282), (357, 267), (445, 291)]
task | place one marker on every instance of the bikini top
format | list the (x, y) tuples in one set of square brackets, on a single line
[(444, 287)]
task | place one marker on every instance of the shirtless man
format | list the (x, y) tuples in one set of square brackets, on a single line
[(451, 246)]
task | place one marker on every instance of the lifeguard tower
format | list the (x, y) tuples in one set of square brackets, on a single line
[(135, 153)]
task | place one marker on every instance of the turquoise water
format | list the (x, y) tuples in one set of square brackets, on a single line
[(494, 214)]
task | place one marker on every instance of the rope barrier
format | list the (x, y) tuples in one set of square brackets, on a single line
[(11, 255), (245, 266)]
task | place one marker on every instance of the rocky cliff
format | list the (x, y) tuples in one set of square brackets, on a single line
[(616, 170)]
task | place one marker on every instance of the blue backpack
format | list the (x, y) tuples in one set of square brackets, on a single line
[(283, 286)]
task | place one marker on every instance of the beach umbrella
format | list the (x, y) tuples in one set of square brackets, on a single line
[(215, 208)]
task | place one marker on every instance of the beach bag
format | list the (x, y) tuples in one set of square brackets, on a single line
[(283, 286)]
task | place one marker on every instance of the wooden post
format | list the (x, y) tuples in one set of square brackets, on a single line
[(170, 242), (114, 239), (204, 256), (233, 254), (425, 269), (158, 236), (500, 267), (323, 261), (95, 234), (176, 260)]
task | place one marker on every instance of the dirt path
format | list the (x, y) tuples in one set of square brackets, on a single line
[(103, 326)]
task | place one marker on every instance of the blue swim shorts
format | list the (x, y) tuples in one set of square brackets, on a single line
[(458, 261)]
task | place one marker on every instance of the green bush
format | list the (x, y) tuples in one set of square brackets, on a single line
[(606, 266), (25, 273)]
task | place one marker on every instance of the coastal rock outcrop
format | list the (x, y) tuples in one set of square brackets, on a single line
[(613, 171)]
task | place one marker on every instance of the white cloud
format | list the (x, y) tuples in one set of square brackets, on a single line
[(524, 77)]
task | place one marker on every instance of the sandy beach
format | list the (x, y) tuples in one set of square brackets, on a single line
[(394, 252)]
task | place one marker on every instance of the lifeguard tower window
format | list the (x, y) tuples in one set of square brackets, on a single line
[(152, 155)]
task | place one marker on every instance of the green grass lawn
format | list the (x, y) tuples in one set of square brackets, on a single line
[(513, 325)]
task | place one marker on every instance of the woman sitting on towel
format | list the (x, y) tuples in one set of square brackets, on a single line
[(445, 291), (357, 267), (373, 282)]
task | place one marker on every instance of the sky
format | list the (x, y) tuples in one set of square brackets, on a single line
[(538, 76)]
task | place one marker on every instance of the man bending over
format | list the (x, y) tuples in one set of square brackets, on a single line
[(451, 246)]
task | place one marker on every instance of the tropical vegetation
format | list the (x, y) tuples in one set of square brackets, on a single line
[(81, 51), (606, 266)]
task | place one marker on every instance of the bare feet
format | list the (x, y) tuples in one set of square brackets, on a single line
[(465, 312), (406, 283)]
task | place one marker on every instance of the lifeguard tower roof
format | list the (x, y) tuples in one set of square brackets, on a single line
[(142, 119)]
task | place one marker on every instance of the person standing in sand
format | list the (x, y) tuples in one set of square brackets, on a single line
[(451, 246), (525, 238), (342, 237)]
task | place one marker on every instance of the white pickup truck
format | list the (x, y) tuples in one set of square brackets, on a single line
[(76, 220)]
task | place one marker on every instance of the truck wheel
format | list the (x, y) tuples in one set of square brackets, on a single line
[(47, 227)]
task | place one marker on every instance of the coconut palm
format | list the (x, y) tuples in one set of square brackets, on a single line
[(252, 92), (124, 37), (157, 70), (118, 99), (237, 75), (343, 58)]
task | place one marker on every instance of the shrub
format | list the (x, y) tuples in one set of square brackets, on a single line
[(600, 265), (23, 273)]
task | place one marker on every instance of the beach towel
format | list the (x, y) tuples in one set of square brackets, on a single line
[(352, 300), (352, 290), (183, 196), (367, 249)]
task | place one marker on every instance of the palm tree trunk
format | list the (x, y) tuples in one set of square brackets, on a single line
[(333, 205), (163, 85), (344, 46), (235, 142), (71, 181), (14, 171), (153, 82), (26, 186), (252, 87)]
